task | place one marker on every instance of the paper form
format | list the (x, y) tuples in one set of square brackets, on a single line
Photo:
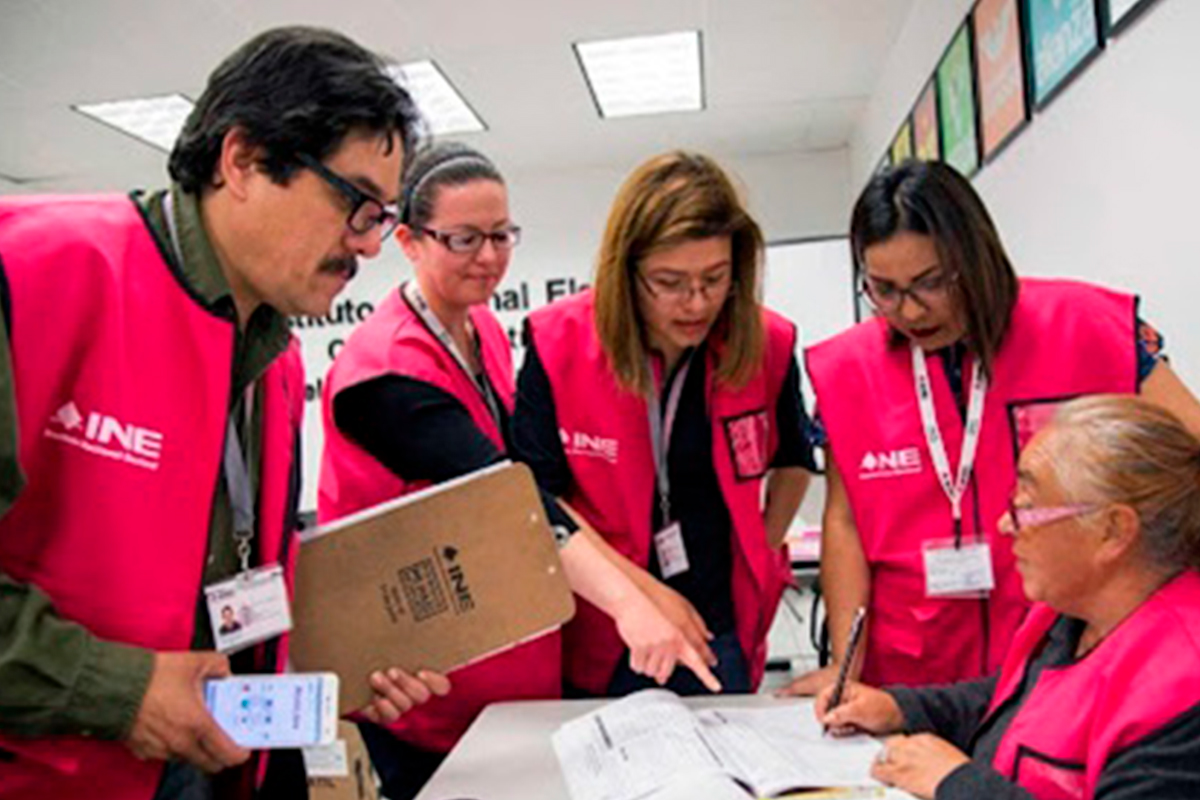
[(649, 741), (628, 750), (800, 752)]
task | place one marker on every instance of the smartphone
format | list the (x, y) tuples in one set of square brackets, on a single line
[(267, 711)]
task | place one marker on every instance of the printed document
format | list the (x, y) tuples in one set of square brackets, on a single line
[(640, 744)]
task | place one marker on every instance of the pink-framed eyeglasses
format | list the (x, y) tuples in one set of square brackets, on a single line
[(1026, 517)]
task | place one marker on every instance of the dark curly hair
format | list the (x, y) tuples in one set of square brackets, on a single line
[(291, 90)]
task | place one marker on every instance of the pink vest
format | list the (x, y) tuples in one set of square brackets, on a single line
[(606, 437), (1134, 683), (1066, 339), (394, 340), (122, 391)]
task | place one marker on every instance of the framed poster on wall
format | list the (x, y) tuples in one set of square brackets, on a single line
[(956, 105), (1119, 13), (902, 145), (926, 138), (1063, 36), (1000, 71)]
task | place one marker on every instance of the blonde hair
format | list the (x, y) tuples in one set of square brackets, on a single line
[(671, 199), (1122, 449)]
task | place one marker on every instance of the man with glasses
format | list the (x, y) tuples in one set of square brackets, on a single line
[(150, 406)]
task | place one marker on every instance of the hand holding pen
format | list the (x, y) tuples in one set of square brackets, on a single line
[(863, 710), (834, 698), (847, 708)]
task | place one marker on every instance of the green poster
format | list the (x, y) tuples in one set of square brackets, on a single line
[(956, 112)]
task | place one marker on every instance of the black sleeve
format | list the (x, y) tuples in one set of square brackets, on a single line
[(535, 436), (1163, 766), (413, 428), (795, 445), (952, 711), (973, 781), (421, 433)]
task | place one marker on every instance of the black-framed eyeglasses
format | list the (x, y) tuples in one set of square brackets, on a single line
[(366, 212), (925, 291), (470, 241), (680, 289)]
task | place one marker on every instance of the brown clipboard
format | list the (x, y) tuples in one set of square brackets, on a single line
[(434, 580)]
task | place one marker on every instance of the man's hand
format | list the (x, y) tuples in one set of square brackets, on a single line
[(397, 691), (173, 723)]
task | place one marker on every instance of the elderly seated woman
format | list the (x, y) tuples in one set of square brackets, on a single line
[(1099, 696)]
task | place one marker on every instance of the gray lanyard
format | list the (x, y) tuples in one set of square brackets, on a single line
[(662, 422), (412, 293), (237, 476)]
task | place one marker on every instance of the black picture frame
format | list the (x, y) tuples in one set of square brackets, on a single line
[(990, 154), (1131, 14), (1042, 90)]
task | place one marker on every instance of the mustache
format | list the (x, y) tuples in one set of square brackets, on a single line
[(347, 265)]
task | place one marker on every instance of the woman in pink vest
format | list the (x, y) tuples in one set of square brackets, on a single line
[(925, 407), (421, 393), (658, 405), (1098, 696)]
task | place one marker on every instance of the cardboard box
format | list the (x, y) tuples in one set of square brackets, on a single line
[(359, 781)]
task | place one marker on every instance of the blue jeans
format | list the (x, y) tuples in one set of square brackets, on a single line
[(731, 670)]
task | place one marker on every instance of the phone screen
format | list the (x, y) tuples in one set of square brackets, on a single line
[(261, 711)]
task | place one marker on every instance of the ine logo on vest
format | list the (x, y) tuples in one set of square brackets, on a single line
[(890, 464), (588, 446), (104, 435)]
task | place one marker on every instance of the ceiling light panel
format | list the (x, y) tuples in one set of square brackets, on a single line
[(156, 121), (444, 109), (644, 74)]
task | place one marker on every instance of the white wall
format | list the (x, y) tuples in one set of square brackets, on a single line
[(562, 215), (1101, 185)]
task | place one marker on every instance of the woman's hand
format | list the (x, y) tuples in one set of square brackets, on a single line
[(397, 691), (683, 615), (811, 683), (917, 764), (863, 710), (659, 626)]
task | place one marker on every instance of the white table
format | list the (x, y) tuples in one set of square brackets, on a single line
[(506, 754)]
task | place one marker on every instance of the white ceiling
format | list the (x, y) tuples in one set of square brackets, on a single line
[(780, 75)]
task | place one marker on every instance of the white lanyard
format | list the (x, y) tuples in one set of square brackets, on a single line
[(235, 472), (412, 293), (662, 422), (954, 489)]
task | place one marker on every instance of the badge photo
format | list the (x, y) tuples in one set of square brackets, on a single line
[(249, 608)]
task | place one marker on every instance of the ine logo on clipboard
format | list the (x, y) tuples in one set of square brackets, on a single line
[(435, 580)]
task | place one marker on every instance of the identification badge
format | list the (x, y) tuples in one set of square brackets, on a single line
[(249, 608), (672, 555), (327, 760), (964, 571)]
